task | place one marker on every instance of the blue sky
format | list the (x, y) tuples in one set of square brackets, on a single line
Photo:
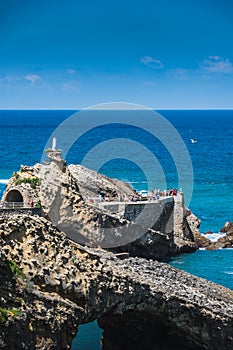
[(76, 53)]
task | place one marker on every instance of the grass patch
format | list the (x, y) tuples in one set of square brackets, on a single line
[(15, 312), (15, 270), (4, 313), (18, 276), (32, 181)]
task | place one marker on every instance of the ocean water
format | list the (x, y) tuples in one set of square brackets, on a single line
[(24, 134)]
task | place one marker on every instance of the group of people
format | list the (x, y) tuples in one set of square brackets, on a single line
[(103, 197), (155, 195), (137, 197), (172, 192)]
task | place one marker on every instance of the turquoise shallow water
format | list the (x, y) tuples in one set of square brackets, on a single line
[(88, 337), (216, 266), (24, 135)]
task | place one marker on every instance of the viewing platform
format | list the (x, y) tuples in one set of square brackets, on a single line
[(7, 209), (119, 207)]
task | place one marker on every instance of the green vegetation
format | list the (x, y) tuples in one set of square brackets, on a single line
[(15, 312), (15, 270), (33, 181), (16, 175), (38, 204), (4, 313), (17, 274)]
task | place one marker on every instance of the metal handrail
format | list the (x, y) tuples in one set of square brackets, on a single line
[(14, 205)]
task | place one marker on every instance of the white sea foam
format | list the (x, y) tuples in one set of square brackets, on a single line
[(4, 181), (213, 237), (229, 272)]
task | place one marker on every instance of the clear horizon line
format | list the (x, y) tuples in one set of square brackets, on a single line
[(86, 108)]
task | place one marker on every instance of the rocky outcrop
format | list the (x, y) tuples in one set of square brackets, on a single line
[(187, 236), (25, 184), (226, 241), (51, 285), (193, 223), (33, 316), (67, 209), (66, 193)]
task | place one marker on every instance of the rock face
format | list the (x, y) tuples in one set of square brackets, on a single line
[(187, 236), (31, 318), (49, 285), (193, 223), (92, 183)]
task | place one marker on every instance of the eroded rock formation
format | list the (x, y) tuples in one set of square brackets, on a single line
[(192, 226), (49, 285), (91, 183), (65, 193)]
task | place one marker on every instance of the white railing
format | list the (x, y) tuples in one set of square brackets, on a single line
[(13, 205)]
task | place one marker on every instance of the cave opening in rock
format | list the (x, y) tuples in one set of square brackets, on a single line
[(88, 337), (14, 196), (137, 330)]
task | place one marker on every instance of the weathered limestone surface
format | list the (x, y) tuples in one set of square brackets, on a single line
[(25, 189), (91, 183), (62, 284), (8, 213)]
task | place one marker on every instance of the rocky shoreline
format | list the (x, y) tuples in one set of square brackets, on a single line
[(54, 285), (223, 242)]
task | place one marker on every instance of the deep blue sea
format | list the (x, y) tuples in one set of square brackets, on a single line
[(24, 135)]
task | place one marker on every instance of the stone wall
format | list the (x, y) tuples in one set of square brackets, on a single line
[(156, 215), (8, 213), (154, 222), (179, 214)]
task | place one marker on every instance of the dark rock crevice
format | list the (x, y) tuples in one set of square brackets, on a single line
[(135, 330)]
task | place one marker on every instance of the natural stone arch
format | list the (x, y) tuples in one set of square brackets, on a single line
[(14, 196), (141, 329)]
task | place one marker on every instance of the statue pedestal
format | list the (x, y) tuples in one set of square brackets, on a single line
[(56, 157)]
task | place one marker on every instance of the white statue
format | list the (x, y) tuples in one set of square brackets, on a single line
[(54, 144)]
